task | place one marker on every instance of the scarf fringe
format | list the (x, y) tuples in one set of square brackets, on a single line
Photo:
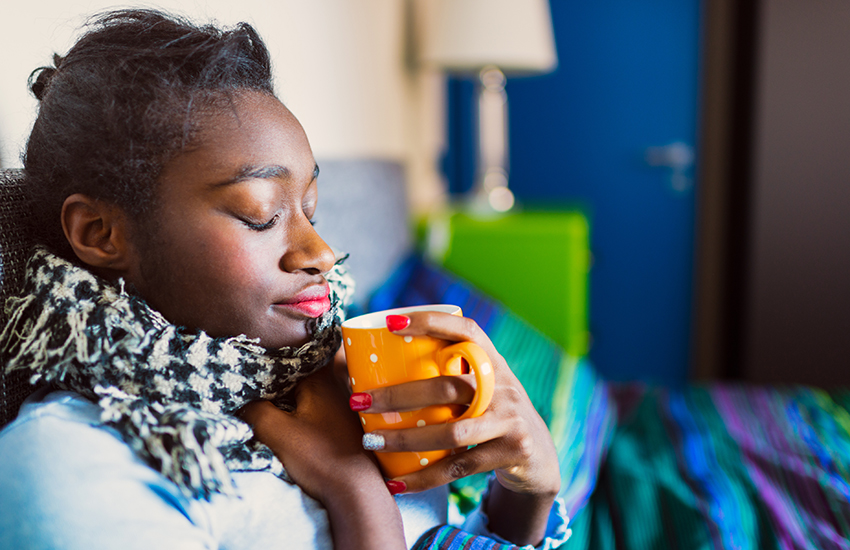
[(182, 440)]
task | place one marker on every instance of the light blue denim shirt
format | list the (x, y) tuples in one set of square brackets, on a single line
[(69, 481)]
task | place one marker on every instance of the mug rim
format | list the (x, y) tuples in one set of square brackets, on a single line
[(377, 319)]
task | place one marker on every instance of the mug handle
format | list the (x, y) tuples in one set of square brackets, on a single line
[(485, 379)]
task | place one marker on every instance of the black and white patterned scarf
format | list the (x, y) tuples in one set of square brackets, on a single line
[(171, 393)]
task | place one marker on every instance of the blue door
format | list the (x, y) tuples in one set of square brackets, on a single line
[(613, 130)]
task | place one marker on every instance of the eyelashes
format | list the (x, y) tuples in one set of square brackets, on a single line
[(269, 224), (262, 226)]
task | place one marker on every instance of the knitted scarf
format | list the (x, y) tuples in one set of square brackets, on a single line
[(170, 393)]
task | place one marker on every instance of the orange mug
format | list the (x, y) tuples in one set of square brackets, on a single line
[(376, 358)]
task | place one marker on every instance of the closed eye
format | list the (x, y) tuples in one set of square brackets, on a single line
[(261, 226)]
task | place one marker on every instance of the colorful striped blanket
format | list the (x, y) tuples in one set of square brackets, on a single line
[(707, 467), (449, 538), (724, 466)]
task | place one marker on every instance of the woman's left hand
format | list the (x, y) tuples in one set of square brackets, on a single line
[(510, 438)]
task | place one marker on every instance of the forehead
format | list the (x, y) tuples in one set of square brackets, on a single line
[(246, 132)]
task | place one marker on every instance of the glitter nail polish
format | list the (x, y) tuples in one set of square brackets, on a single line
[(373, 442)]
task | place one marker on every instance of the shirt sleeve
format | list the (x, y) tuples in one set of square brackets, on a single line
[(556, 534)]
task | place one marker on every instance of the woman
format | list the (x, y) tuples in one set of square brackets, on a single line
[(181, 286)]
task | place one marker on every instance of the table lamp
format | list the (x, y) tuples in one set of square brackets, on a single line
[(490, 39)]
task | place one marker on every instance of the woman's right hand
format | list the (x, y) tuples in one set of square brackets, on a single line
[(320, 442), (320, 445)]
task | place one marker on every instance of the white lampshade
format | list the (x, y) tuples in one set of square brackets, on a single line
[(466, 35)]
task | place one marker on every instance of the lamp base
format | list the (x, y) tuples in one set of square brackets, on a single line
[(491, 190)]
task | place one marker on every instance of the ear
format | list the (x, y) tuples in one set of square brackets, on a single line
[(98, 232)]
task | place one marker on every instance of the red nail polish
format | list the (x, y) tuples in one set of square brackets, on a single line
[(397, 322), (360, 401), (396, 487)]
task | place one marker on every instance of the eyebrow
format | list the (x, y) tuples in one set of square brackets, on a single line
[(274, 171)]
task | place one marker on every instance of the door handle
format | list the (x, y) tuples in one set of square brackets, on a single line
[(679, 157)]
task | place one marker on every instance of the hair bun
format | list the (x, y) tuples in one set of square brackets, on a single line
[(40, 78)]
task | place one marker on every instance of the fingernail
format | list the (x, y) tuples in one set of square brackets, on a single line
[(374, 442), (396, 487), (360, 401), (397, 322)]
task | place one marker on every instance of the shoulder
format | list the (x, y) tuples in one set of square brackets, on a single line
[(57, 435), (64, 475)]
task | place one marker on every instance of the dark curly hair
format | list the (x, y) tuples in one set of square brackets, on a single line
[(122, 102)]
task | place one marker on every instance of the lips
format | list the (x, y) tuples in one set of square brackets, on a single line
[(313, 302)]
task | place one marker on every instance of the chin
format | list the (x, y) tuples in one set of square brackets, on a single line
[(288, 338)]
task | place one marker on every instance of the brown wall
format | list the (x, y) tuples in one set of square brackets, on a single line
[(797, 310)]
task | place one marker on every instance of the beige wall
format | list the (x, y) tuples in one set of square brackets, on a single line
[(340, 66)]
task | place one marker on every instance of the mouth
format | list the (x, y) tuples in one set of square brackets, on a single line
[(313, 302)]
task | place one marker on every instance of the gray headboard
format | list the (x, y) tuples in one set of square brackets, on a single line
[(363, 210)]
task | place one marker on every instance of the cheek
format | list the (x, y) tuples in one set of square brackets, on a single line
[(241, 274), (216, 258), (225, 288), (238, 264)]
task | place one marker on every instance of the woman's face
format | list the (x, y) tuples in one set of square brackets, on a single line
[(232, 249)]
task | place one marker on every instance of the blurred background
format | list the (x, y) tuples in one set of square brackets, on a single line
[(678, 170)]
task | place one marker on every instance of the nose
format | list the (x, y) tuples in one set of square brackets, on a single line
[(307, 251)]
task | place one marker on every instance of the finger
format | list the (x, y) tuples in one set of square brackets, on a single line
[(483, 458), (444, 326), (415, 395), (460, 434), (340, 369)]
